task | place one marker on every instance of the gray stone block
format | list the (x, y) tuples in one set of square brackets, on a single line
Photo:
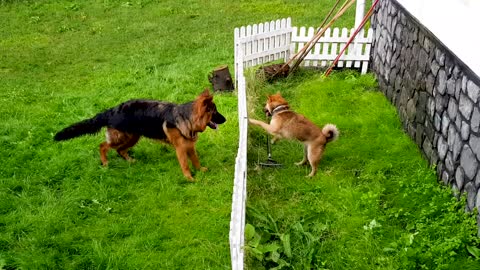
[(471, 195), (477, 200), (449, 165), (465, 106), (419, 134), (411, 110), (430, 83), (451, 87), (452, 109), (427, 147), (452, 134), (477, 184), (456, 72), (398, 32), (434, 67), (468, 162), (475, 121), (464, 84), (465, 130), (442, 148), (445, 177), (445, 124), (459, 177), (473, 91), (474, 143), (456, 147), (440, 57), (437, 122), (441, 84), (458, 88), (458, 122)]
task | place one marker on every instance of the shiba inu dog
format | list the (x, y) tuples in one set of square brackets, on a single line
[(287, 124)]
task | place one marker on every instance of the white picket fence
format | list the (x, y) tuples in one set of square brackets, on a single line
[(329, 46), (266, 42), (262, 43)]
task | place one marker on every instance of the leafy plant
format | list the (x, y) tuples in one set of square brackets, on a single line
[(276, 245)]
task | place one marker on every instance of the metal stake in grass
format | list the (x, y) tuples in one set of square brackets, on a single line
[(269, 162)]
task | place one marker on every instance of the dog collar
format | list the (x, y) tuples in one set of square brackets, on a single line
[(279, 109)]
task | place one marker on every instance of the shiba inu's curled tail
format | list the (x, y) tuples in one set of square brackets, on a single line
[(331, 132), (87, 126)]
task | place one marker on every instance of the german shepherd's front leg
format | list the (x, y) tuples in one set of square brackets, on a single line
[(192, 154), (182, 153), (182, 149)]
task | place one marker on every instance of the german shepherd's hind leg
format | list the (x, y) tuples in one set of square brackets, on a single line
[(104, 147), (119, 141), (305, 157), (128, 142), (315, 153)]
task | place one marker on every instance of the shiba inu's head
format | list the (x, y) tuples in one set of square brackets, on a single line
[(205, 112), (274, 103)]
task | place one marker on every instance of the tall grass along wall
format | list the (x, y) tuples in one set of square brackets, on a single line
[(436, 94)]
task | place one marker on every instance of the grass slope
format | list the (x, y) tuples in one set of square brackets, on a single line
[(375, 203)]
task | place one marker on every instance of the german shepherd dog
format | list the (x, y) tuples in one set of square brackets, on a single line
[(286, 124), (174, 124)]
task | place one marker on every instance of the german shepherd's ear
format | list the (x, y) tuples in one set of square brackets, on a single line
[(205, 97)]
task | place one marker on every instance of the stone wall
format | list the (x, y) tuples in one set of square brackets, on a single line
[(436, 94)]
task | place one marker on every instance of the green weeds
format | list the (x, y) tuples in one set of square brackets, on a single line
[(376, 203)]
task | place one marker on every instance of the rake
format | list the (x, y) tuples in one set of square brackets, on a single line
[(269, 162)]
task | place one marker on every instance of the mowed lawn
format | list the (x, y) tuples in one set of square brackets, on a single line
[(64, 61)]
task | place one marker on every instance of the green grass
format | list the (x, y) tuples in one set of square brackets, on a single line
[(375, 203), (62, 61)]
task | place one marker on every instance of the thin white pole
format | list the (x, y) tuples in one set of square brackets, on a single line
[(359, 13)]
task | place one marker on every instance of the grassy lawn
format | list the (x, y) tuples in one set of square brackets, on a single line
[(62, 61), (374, 204)]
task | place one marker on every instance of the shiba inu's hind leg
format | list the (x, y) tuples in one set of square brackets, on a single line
[(305, 157), (315, 153)]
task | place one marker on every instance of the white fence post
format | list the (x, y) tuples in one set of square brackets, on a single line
[(359, 12), (262, 43), (254, 44)]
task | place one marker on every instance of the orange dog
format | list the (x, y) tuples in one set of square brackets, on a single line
[(286, 124)]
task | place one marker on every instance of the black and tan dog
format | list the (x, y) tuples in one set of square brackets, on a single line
[(178, 125), (287, 124)]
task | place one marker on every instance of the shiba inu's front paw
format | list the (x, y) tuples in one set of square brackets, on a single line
[(203, 169)]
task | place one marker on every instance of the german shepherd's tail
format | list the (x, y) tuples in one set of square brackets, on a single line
[(331, 132), (87, 126)]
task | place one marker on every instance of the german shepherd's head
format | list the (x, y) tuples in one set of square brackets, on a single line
[(273, 102), (205, 112)]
